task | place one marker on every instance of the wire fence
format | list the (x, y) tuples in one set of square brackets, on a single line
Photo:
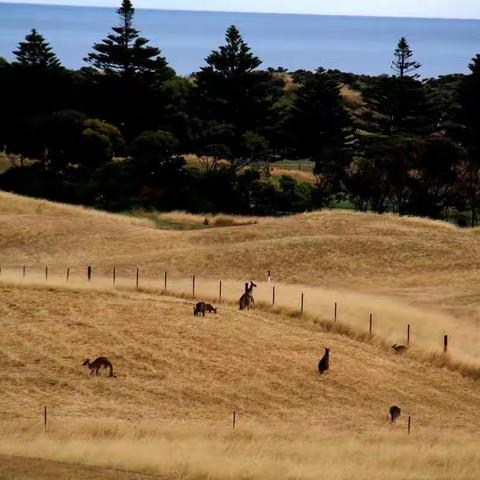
[(299, 300)]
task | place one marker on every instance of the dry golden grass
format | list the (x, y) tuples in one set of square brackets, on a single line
[(180, 377), (177, 451), (180, 218), (353, 98), (301, 175)]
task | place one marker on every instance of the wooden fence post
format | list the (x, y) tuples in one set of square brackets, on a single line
[(114, 277), (220, 292), (24, 271), (89, 273), (68, 273), (445, 344), (137, 278), (335, 315), (371, 323), (234, 419), (408, 334), (193, 286), (409, 424), (45, 418), (165, 286), (46, 273), (301, 305), (273, 296)]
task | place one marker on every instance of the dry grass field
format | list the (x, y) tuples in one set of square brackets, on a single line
[(168, 413)]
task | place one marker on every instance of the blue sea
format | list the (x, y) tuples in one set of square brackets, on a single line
[(351, 44)]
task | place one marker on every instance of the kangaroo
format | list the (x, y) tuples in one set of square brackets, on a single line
[(210, 308), (395, 412), (99, 363), (400, 349), (247, 298), (324, 363), (199, 309)]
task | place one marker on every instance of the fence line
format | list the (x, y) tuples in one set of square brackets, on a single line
[(27, 270)]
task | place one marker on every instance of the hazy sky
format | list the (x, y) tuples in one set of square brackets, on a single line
[(409, 8)]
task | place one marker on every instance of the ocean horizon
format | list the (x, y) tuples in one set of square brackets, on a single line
[(358, 44)]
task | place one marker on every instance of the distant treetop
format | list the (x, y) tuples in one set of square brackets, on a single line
[(124, 51), (403, 65), (35, 51)]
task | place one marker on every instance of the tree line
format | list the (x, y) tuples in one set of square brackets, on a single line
[(116, 133)]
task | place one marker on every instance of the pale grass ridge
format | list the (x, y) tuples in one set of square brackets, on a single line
[(181, 217), (258, 453)]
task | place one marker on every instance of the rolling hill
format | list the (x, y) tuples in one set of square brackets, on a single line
[(180, 377)]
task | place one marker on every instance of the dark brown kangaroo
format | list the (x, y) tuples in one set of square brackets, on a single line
[(324, 363), (399, 348), (199, 309), (99, 363), (210, 308), (395, 412), (247, 298)]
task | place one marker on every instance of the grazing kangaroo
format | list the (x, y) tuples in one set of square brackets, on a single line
[(99, 363), (210, 308), (400, 349), (395, 412), (247, 298), (324, 363)]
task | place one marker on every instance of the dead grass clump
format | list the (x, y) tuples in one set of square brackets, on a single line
[(353, 98), (180, 218), (299, 175)]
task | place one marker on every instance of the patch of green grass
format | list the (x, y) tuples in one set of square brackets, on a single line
[(4, 163), (305, 165), (343, 205), (166, 225)]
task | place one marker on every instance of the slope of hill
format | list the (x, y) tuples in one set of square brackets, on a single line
[(180, 378), (341, 249)]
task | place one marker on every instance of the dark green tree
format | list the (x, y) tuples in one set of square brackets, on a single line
[(36, 52), (469, 136), (318, 123), (124, 51), (403, 64), (233, 101)]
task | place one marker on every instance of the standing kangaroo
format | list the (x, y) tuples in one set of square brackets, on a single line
[(324, 363), (99, 363), (395, 412), (247, 298)]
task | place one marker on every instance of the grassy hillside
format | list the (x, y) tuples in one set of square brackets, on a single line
[(403, 270), (342, 249), (180, 378)]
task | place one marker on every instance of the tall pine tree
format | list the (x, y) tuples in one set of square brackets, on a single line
[(403, 65), (233, 101), (317, 125), (125, 52), (35, 51)]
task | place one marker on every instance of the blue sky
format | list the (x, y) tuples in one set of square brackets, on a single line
[(409, 8)]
